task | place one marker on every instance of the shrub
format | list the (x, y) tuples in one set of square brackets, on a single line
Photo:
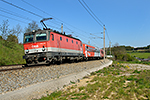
[(121, 54), (1, 38), (129, 57), (12, 38)]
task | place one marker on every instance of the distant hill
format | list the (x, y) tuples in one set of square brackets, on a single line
[(11, 53)]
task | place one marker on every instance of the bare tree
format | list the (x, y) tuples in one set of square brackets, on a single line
[(31, 26), (4, 29), (15, 31), (116, 44)]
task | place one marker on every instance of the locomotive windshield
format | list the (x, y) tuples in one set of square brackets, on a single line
[(35, 37), (28, 38), (41, 36)]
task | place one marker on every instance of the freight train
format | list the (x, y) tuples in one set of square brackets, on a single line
[(48, 46)]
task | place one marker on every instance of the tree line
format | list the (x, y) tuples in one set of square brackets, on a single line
[(12, 34), (122, 52)]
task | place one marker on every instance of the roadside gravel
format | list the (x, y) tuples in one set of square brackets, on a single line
[(52, 77)]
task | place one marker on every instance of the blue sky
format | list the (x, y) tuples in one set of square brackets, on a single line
[(127, 21)]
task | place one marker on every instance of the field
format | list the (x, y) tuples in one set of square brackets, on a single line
[(114, 82), (140, 55)]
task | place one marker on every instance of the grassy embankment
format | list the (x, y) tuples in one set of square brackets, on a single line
[(140, 55), (11, 53), (114, 82)]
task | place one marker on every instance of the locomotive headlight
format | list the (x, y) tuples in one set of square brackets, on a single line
[(33, 30), (27, 51), (43, 49)]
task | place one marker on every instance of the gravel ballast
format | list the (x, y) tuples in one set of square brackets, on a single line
[(31, 83)]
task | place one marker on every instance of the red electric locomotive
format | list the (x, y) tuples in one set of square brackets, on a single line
[(46, 46)]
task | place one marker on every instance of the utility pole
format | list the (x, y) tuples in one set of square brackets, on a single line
[(104, 41), (110, 47), (62, 28), (88, 42)]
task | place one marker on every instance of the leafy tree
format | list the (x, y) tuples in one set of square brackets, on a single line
[(31, 26), (119, 52), (11, 35), (12, 38), (148, 47), (4, 29)]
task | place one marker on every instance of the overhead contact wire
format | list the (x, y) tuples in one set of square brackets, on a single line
[(90, 13), (51, 15), (21, 8)]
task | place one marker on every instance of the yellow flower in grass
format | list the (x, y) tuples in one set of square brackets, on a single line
[(118, 63), (127, 66)]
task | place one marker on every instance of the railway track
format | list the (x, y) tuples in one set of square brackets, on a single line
[(10, 67), (19, 67)]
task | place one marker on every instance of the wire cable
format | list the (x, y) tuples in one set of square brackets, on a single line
[(107, 35), (94, 16), (84, 36), (35, 14), (90, 13), (13, 19), (52, 16), (13, 14), (21, 8)]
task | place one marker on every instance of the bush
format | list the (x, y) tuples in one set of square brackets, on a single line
[(129, 57), (12, 38), (121, 54), (1, 38)]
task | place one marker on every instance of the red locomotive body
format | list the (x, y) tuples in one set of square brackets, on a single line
[(45, 46)]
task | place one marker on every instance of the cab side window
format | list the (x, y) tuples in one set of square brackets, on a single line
[(67, 40), (52, 37), (60, 38), (76, 42)]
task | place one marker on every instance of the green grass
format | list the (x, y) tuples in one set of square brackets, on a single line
[(134, 62), (72, 82), (110, 83), (11, 53), (140, 55), (52, 96)]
